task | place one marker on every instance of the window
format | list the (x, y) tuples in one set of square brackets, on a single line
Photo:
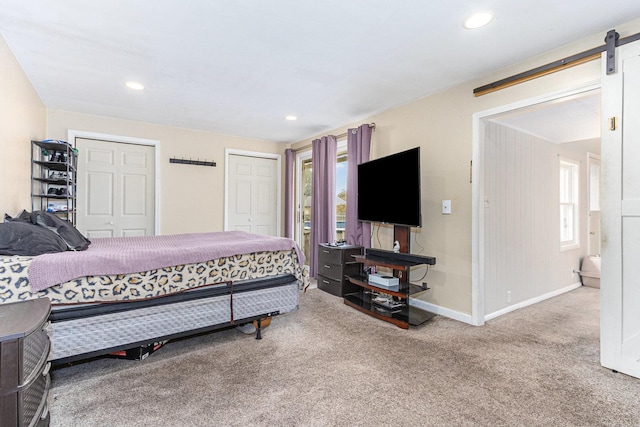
[(569, 204), (304, 171)]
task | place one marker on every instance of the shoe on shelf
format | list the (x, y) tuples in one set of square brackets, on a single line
[(61, 176)]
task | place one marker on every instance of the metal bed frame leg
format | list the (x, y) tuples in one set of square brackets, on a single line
[(259, 330)]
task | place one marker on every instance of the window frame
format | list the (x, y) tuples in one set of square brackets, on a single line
[(568, 200)]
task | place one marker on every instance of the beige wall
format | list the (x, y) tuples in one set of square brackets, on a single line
[(523, 260), (191, 197), (441, 124), (22, 118)]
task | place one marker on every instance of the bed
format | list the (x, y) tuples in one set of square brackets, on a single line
[(124, 293)]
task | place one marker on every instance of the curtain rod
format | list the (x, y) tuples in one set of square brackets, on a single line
[(339, 136), (552, 67)]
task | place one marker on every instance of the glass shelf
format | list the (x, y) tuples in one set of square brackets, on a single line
[(401, 317)]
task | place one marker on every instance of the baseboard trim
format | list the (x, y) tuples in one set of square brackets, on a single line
[(441, 311), (531, 301)]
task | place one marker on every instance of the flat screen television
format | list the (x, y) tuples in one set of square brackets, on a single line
[(389, 189)]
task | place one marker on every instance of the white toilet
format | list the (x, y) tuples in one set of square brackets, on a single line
[(590, 271)]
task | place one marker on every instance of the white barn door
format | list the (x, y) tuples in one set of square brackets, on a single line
[(252, 194), (620, 191)]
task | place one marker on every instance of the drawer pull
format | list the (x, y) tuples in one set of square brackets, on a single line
[(325, 251), (326, 282), (327, 266)]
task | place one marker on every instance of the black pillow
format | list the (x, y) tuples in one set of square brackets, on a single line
[(23, 216), (75, 240), (24, 238)]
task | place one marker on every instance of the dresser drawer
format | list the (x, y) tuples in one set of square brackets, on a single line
[(327, 255), (330, 285), (332, 271), (337, 272), (336, 287), (337, 254)]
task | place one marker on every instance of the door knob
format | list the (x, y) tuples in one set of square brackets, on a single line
[(111, 223)]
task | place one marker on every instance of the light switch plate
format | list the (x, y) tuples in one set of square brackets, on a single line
[(446, 207)]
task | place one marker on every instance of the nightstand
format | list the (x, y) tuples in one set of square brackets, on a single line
[(24, 370), (334, 263)]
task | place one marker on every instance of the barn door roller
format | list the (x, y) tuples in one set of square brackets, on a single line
[(612, 41)]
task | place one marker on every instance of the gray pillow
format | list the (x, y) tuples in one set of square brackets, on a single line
[(27, 239)]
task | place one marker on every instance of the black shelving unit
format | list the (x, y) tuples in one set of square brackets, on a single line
[(53, 178)]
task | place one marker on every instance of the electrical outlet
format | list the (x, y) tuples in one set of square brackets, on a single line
[(446, 207)]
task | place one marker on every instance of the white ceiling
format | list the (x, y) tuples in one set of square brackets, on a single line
[(569, 119), (238, 67)]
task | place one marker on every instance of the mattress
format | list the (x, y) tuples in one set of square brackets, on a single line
[(14, 281), (87, 330), (97, 315)]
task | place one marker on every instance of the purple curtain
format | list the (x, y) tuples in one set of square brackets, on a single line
[(289, 161), (358, 150), (323, 196)]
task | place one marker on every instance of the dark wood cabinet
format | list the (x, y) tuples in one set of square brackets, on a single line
[(334, 263), (24, 370)]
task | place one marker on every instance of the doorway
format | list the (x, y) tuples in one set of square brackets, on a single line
[(303, 174), (303, 203), (518, 254)]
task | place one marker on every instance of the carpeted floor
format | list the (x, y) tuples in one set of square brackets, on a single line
[(328, 364)]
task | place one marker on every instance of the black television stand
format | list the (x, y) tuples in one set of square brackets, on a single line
[(390, 304)]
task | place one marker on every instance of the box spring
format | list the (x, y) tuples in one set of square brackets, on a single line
[(89, 330)]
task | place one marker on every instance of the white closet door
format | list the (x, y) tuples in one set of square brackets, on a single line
[(252, 194), (620, 174), (115, 189)]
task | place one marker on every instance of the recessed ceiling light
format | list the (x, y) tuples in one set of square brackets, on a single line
[(134, 85), (291, 118), (478, 20)]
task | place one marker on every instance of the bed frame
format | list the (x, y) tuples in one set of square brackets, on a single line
[(89, 330)]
